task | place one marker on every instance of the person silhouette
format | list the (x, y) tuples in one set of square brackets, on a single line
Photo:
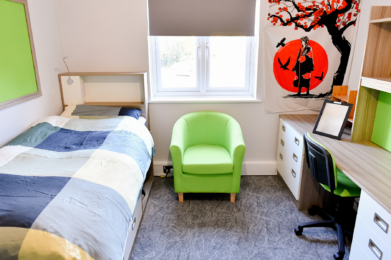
[(304, 66)]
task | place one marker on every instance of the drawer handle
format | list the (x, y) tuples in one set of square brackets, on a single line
[(293, 173), (283, 128), (134, 223), (295, 157), (297, 141), (282, 142), (378, 253), (281, 157), (381, 223)]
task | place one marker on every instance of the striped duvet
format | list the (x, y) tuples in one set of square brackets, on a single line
[(69, 188)]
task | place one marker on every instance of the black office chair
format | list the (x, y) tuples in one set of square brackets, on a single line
[(332, 179)]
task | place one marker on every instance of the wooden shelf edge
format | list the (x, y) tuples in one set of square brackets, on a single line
[(384, 20), (116, 104), (382, 84), (342, 98), (102, 74)]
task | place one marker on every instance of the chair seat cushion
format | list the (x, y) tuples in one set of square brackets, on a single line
[(345, 187), (207, 159)]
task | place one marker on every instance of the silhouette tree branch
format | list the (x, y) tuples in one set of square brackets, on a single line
[(336, 15), (322, 13)]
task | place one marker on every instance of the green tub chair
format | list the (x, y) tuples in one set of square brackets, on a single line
[(207, 151)]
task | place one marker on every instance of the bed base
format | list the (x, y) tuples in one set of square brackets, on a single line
[(141, 206)]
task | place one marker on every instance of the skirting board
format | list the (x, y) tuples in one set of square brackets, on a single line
[(249, 167)]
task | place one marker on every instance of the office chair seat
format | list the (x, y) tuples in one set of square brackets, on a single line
[(346, 187), (324, 171)]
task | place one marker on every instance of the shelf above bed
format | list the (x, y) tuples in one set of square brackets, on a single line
[(102, 73), (115, 89), (115, 104)]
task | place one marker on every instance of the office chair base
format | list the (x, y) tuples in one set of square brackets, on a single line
[(331, 223), (312, 211), (323, 223), (298, 231), (315, 210)]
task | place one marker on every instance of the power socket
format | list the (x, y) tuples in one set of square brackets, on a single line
[(168, 170)]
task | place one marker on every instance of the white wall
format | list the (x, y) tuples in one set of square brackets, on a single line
[(102, 35), (44, 22), (361, 41)]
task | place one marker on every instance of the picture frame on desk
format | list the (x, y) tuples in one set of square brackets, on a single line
[(332, 119)]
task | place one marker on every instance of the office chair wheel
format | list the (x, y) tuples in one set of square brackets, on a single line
[(312, 211), (298, 231), (338, 256)]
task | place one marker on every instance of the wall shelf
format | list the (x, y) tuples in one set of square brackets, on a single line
[(384, 20), (116, 89), (376, 73), (379, 83), (342, 98)]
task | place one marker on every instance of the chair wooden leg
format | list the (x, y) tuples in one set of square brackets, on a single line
[(180, 197), (233, 197)]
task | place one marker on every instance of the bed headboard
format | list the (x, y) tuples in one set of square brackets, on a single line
[(117, 89)]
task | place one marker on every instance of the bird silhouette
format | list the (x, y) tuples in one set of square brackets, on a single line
[(285, 66), (281, 43), (320, 78)]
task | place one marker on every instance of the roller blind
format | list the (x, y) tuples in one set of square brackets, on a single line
[(201, 17)]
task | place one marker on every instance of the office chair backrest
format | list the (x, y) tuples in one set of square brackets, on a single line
[(321, 162)]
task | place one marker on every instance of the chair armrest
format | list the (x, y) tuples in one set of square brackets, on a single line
[(177, 148), (235, 142), (178, 142)]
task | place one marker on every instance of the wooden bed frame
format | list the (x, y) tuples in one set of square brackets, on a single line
[(143, 106)]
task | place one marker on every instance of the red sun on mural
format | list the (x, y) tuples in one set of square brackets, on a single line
[(292, 62)]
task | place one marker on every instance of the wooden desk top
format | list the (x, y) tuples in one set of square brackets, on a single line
[(365, 163)]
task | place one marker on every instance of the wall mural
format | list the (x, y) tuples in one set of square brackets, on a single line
[(307, 51)]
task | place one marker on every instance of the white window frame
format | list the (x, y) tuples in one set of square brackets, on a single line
[(202, 88)]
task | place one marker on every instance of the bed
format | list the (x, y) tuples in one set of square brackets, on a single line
[(74, 188), (70, 187)]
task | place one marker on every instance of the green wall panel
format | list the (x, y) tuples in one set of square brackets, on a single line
[(381, 134), (17, 73)]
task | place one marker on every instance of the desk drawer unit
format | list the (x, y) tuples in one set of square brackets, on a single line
[(369, 241), (357, 253), (376, 217), (289, 157)]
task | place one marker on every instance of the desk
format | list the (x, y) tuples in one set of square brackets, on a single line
[(365, 163)]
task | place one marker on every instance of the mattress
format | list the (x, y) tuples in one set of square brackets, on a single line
[(69, 188)]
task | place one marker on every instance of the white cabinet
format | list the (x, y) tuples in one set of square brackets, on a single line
[(372, 231), (376, 217), (357, 253), (290, 157), (369, 241)]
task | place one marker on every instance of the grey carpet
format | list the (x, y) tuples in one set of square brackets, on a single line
[(259, 225)]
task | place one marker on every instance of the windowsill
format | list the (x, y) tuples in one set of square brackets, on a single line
[(187, 100)]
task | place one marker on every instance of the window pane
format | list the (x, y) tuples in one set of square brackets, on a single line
[(227, 62), (178, 62)]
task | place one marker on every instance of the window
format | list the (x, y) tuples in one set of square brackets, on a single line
[(203, 66)]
